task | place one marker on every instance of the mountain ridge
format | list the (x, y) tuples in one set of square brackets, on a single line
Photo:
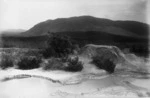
[(85, 30), (89, 23)]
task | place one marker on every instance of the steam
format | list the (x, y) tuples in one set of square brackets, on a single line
[(138, 64), (125, 62)]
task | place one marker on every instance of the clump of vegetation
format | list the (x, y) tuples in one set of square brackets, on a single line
[(59, 46), (67, 64), (27, 62), (74, 64), (105, 64), (6, 62), (53, 64)]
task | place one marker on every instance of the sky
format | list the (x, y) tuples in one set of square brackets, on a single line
[(24, 14)]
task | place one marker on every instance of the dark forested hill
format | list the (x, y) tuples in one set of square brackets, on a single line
[(89, 23), (85, 30)]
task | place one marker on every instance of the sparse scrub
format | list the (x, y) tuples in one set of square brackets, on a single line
[(34, 52), (67, 64), (53, 64), (6, 62), (29, 62), (105, 64), (74, 64)]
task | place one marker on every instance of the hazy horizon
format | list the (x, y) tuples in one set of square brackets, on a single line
[(24, 14)]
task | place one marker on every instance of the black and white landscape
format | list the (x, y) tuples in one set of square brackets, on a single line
[(78, 56)]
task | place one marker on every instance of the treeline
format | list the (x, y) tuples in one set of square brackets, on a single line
[(61, 53), (137, 45), (56, 56)]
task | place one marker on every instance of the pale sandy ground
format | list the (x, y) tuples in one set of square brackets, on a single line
[(90, 83), (76, 85)]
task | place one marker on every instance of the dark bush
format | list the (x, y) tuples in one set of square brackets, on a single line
[(49, 52), (105, 64), (6, 62), (58, 46), (28, 62), (74, 65)]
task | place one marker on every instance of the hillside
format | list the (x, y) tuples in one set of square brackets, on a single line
[(89, 23), (84, 30)]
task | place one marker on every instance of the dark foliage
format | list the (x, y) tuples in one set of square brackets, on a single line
[(23, 41), (29, 63), (74, 65), (137, 45), (6, 62), (58, 46), (123, 34), (49, 52), (105, 64)]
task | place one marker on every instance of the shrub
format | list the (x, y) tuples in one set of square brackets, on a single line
[(105, 64), (58, 46), (29, 63), (67, 64), (6, 62), (53, 64), (74, 64), (48, 52)]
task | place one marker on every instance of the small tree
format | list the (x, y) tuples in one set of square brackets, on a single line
[(58, 46)]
